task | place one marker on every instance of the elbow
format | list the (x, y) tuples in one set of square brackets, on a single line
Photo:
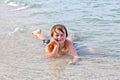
[(50, 56)]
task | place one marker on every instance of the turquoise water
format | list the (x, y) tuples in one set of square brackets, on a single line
[(93, 24)]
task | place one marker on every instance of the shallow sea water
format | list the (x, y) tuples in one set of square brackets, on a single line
[(93, 24)]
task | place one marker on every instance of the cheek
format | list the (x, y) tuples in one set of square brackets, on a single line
[(64, 37), (54, 37)]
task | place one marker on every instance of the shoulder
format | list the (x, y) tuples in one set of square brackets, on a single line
[(68, 42)]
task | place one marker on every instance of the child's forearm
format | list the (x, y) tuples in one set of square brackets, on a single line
[(53, 53), (55, 50)]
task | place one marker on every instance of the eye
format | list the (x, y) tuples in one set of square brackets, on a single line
[(62, 34), (56, 35)]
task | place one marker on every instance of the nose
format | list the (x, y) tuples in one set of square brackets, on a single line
[(59, 36)]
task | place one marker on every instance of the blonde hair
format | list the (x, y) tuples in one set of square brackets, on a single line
[(59, 27)]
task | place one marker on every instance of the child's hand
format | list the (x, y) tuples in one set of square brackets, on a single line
[(54, 41), (74, 61)]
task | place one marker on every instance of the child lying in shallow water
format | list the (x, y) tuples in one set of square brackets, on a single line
[(58, 44)]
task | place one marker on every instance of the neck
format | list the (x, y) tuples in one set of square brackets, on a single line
[(62, 45)]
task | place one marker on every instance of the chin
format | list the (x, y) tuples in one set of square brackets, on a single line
[(60, 42)]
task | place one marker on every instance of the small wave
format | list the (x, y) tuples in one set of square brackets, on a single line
[(32, 5), (21, 8), (16, 6), (13, 4), (15, 30)]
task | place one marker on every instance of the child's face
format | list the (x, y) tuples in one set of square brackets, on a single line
[(59, 36)]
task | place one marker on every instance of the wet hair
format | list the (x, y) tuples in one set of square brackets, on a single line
[(59, 27)]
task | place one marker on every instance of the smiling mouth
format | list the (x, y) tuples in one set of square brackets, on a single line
[(58, 40)]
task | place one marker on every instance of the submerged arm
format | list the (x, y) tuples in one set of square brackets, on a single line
[(73, 52)]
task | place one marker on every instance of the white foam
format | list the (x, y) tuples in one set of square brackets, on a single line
[(21, 8), (16, 6), (13, 4), (15, 30)]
